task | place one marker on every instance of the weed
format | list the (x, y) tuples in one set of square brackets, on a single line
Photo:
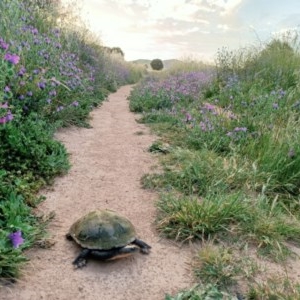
[(202, 292), (190, 218), (274, 288)]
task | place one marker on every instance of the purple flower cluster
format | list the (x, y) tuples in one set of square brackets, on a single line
[(3, 45), (184, 85), (237, 133), (206, 125), (12, 58), (16, 238), (7, 116)]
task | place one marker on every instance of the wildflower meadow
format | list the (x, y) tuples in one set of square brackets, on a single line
[(229, 147)]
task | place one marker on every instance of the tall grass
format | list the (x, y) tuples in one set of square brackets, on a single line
[(231, 172)]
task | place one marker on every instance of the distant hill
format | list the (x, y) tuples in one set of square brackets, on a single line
[(167, 63), (170, 62)]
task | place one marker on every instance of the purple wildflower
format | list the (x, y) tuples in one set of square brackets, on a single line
[(9, 116), (21, 97), (4, 105), (3, 45), (56, 32), (75, 103), (22, 71), (52, 93), (34, 31), (275, 105), (29, 93), (203, 126), (188, 118), (209, 107), (237, 129), (7, 89), (41, 85), (16, 238), (59, 108), (12, 58)]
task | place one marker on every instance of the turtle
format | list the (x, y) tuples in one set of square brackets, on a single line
[(105, 235)]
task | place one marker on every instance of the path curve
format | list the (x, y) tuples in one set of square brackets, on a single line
[(108, 162)]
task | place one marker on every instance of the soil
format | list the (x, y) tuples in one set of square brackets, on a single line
[(108, 161)]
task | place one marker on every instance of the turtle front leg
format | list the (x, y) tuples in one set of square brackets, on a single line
[(80, 260), (145, 248)]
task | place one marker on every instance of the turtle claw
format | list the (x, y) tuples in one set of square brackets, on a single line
[(80, 261), (145, 250), (78, 264)]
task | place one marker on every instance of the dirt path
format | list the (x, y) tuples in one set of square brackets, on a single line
[(108, 161)]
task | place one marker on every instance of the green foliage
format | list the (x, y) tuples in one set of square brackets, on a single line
[(157, 64), (274, 288), (232, 169), (217, 265), (184, 218), (202, 292), (29, 157), (15, 215), (28, 146), (270, 66)]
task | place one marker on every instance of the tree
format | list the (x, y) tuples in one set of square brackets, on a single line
[(157, 64), (114, 50)]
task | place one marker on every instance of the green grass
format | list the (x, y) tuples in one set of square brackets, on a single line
[(201, 292), (231, 169)]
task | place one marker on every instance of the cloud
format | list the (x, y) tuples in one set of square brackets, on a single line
[(227, 7), (172, 28), (222, 7), (223, 27)]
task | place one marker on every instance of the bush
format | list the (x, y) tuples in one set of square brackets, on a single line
[(157, 64)]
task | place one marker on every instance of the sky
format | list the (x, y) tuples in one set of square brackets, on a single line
[(181, 29)]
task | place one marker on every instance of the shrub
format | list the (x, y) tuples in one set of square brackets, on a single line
[(157, 64)]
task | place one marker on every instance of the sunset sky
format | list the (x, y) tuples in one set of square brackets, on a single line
[(168, 29)]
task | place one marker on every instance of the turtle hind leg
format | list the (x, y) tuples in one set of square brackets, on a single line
[(80, 260), (145, 248), (113, 253)]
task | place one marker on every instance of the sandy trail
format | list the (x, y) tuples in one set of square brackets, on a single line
[(108, 161)]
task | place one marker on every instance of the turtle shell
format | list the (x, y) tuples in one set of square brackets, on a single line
[(102, 230)]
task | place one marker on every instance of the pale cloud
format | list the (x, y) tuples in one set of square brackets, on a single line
[(179, 10), (223, 27), (176, 28), (227, 6)]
